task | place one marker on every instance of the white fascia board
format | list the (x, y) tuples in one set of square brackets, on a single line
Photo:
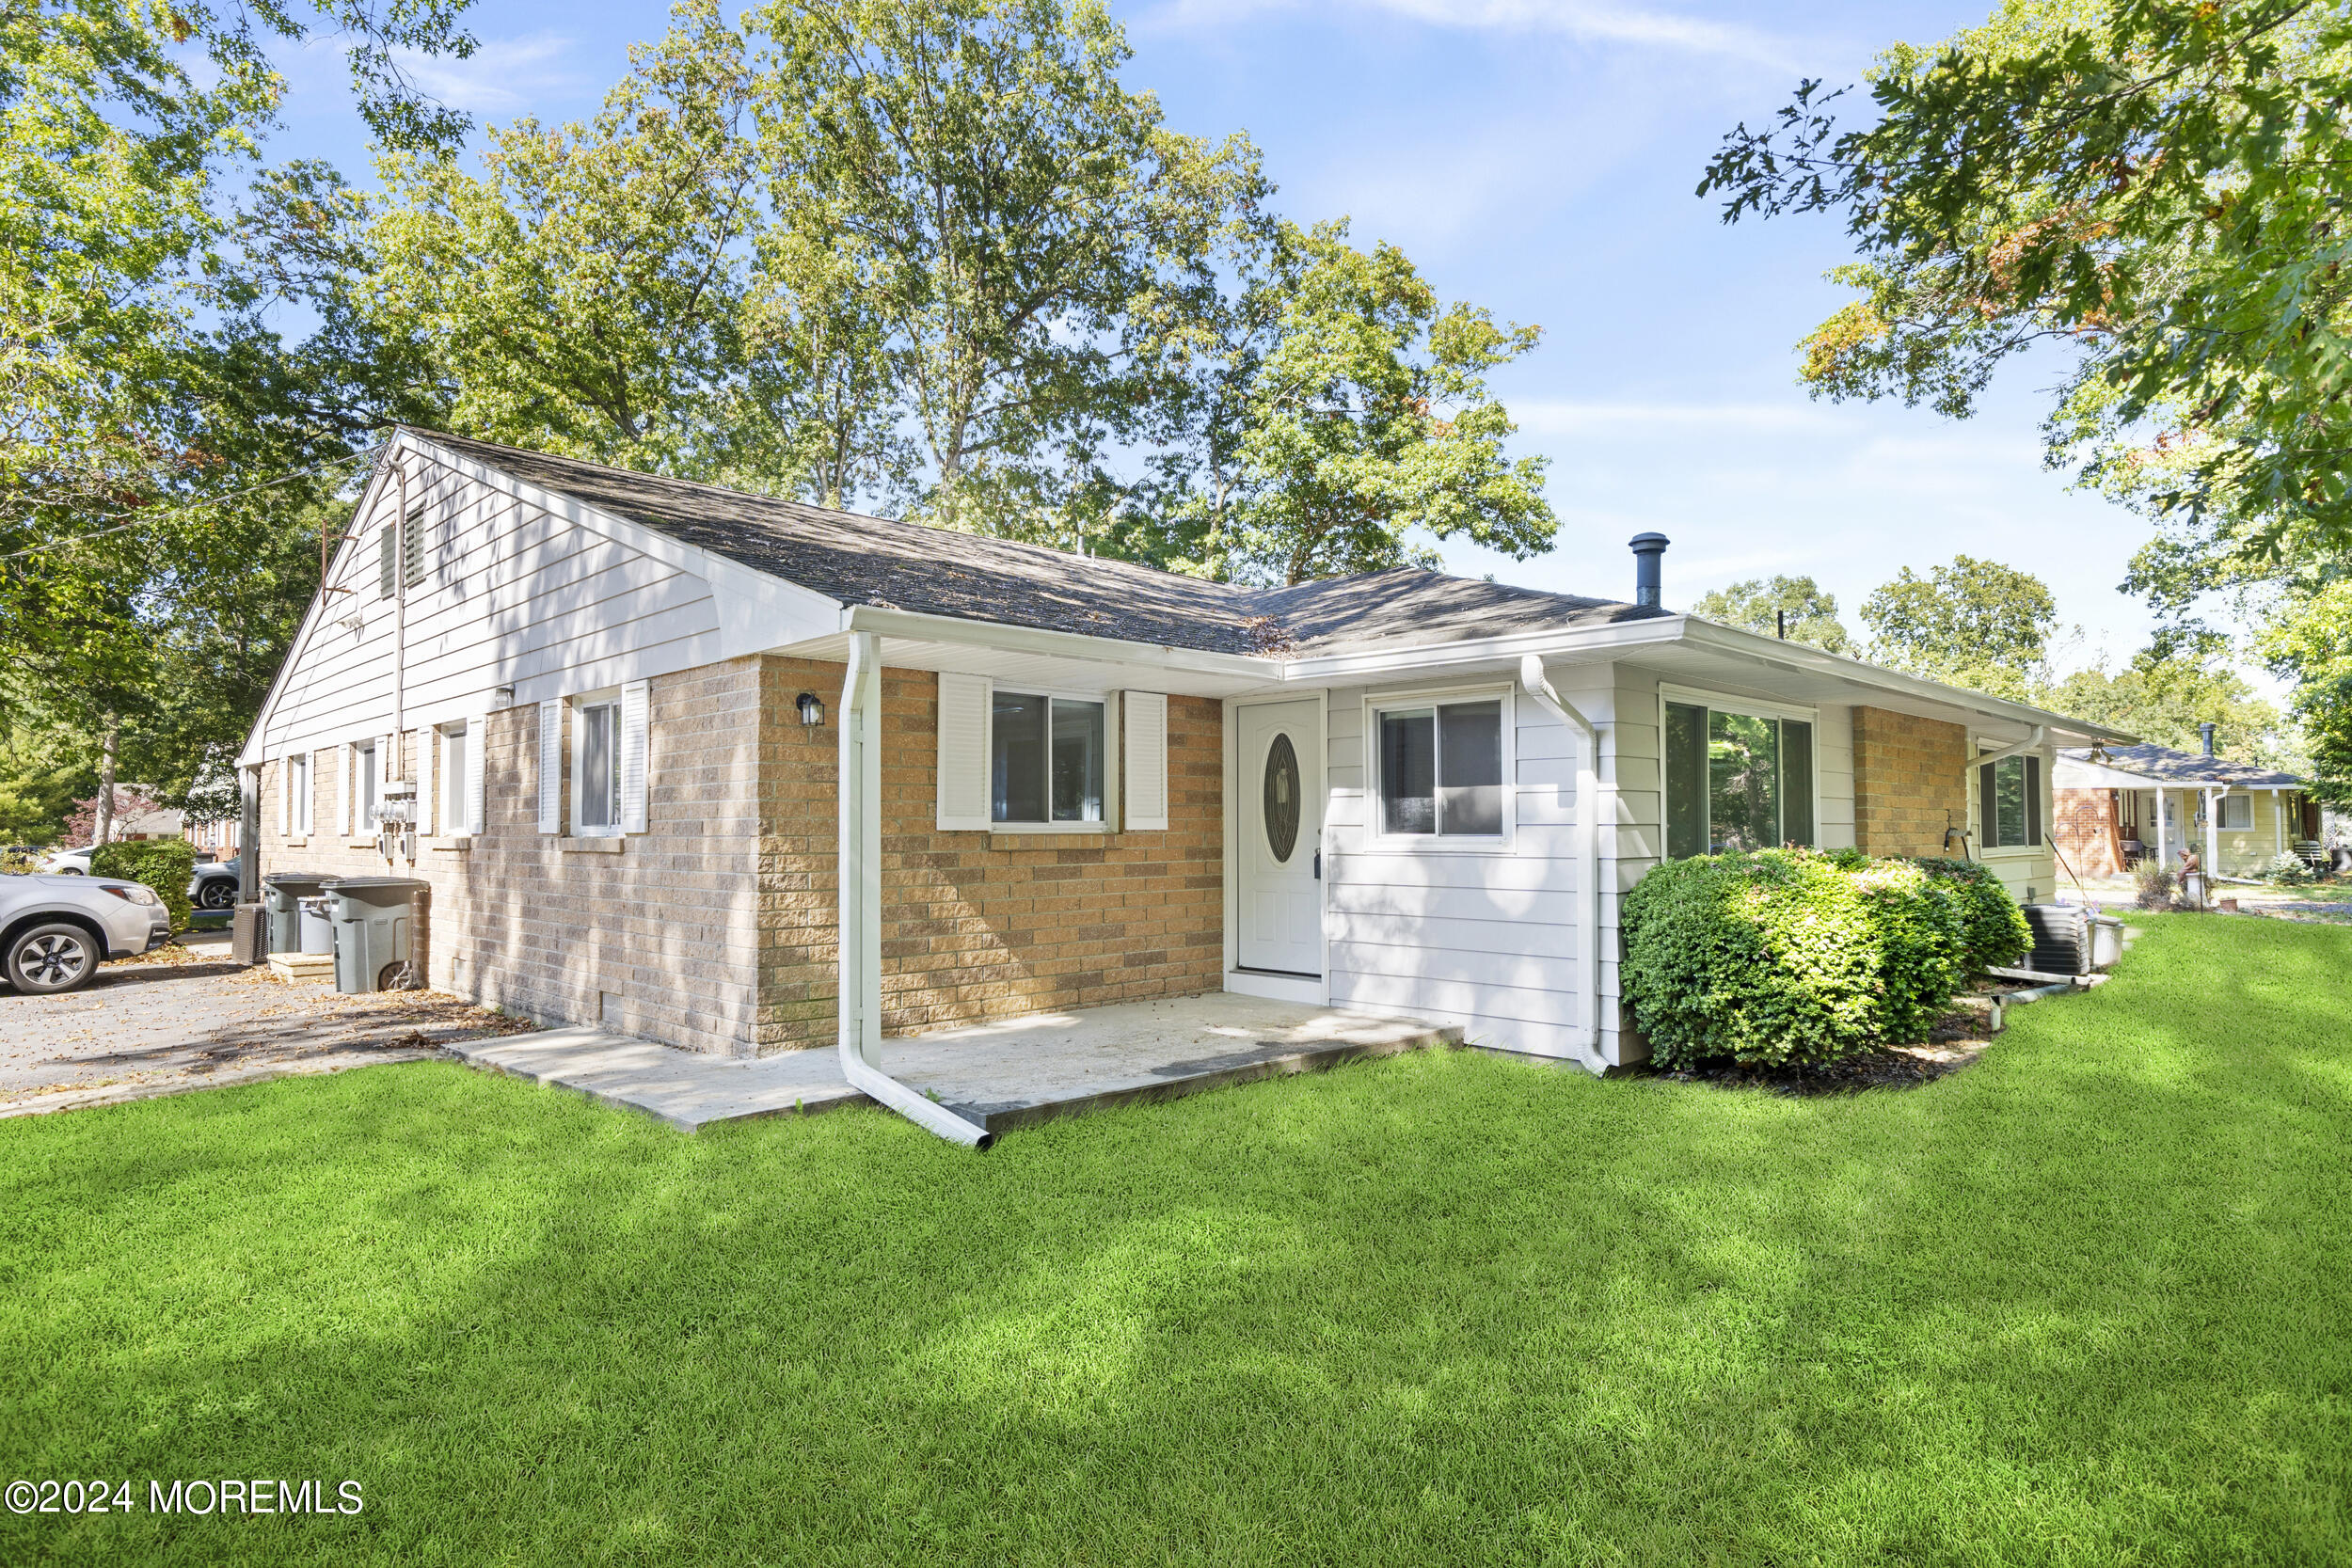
[(756, 610), (1801, 655), (915, 626), (251, 753)]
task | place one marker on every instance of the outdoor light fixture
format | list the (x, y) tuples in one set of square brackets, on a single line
[(812, 709)]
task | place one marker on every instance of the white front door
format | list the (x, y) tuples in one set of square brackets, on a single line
[(1280, 785)]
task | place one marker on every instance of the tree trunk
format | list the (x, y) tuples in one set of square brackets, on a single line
[(107, 782)]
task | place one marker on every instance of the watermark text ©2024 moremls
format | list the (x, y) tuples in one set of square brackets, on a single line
[(238, 1495)]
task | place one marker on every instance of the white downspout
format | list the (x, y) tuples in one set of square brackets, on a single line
[(1539, 685), (860, 882)]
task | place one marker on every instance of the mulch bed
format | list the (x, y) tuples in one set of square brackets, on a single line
[(1958, 1039)]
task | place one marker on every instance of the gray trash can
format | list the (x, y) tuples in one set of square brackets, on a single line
[(318, 927), (282, 893), (374, 927)]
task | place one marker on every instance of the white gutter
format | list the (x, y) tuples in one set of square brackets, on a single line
[(2033, 742), (399, 616), (1539, 686), (860, 879)]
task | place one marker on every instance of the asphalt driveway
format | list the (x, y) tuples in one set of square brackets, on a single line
[(187, 1018)]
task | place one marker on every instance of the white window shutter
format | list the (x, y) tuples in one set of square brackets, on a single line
[(285, 797), (633, 742), (1146, 758), (477, 742), (426, 741), (347, 757), (964, 708), (551, 767)]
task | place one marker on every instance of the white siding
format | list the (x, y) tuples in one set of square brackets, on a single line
[(1833, 811), (1485, 939), (511, 596)]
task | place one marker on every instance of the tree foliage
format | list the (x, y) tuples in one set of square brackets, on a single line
[(2167, 689), (1976, 623), (1760, 605)]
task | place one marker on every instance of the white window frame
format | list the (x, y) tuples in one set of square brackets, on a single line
[(2047, 805), (580, 704), (1110, 758), (1375, 788), (362, 823), (1749, 708), (2221, 812), (299, 802), (451, 806)]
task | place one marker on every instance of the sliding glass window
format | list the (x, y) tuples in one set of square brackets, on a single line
[(1735, 781)]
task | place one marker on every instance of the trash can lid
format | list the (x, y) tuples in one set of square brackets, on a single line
[(295, 876), (375, 884)]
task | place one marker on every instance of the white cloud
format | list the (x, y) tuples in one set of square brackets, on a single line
[(1584, 21), (502, 77)]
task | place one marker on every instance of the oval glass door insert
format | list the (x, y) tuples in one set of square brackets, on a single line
[(1281, 799)]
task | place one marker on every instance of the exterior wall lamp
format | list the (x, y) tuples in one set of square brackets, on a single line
[(812, 709)]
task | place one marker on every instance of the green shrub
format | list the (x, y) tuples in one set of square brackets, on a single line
[(2288, 870), (165, 864), (1788, 956), (1993, 929), (2157, 888)]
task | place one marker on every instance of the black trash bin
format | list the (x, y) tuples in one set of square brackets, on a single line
[(282, 893), (376, 928)]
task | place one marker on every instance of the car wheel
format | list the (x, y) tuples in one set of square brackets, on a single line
[(216, 894), (51, 959)]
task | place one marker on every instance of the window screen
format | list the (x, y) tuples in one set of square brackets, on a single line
[(600, 767), (1045, 759), (1441, 770), (2236, 813)]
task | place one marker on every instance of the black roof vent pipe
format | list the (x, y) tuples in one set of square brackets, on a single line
[(2206, 730), (1648, 590)]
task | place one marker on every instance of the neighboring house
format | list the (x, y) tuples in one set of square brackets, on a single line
[(218, 837), (647, 723), (2121, 803)]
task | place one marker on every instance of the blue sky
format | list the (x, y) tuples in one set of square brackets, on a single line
[(1538, 157)]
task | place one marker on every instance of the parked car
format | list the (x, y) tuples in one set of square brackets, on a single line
[(215, 886), (68, 863), (55, 930)]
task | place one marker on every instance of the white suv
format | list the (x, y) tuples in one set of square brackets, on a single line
[(55, 930)]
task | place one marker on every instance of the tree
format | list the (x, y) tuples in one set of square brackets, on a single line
[(1975, 624), (1032, 236), (1349, 422), (1757, 605), (2309, 642), (2167, 691), (2157, 187)]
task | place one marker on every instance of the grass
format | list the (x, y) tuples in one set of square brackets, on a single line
[(2084, 1302)]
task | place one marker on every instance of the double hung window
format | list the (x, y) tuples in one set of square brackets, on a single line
[(1735, 781), (454, 806), (1441, 768), (1045, 762)]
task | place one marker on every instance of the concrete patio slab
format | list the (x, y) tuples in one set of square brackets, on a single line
[(1012, 1073), (688, 1089)]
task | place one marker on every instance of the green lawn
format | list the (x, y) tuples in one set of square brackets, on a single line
[(2090, 1300)]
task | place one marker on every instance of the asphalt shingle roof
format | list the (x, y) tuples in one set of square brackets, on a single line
[(899, 565), (2163, 764)]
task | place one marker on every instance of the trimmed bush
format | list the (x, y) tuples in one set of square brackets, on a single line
[(1788, 955), (165, 864), (1993, 929)]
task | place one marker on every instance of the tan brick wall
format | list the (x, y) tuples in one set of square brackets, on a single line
[(1910, 782), (978, 926), (717, 927), (669, 924)]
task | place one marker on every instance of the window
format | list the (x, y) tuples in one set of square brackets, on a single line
[(1735, 781), (596, 769), (1441, 770), (2236, 813), (364, 780), (453, 810), (298, 796), (2009, 803), (1045, 759)]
